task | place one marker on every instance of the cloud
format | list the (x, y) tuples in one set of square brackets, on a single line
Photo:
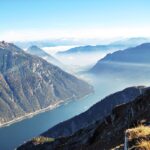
[(55, 49), (76, 34)]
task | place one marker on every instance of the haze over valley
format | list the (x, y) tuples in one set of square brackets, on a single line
[(74, 75)]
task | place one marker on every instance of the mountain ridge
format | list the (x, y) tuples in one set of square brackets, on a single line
[(122, 60), (35, 50), (29, 83), (89, 49), (97, 112), (105, 135)]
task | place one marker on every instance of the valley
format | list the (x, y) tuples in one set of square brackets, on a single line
[(34, 123), (74, 75), (28, 128)]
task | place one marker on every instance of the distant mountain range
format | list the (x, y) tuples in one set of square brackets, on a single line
[(102, 127), (29, 83), (122, 44), (131, 59), (128, 42), (101, 135), (34, 50), (90, 49), (132, 42)]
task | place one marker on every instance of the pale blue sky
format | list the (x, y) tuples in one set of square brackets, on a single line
[(20, 17)]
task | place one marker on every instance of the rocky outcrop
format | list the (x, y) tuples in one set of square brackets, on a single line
[(105, 135), (29, 84)]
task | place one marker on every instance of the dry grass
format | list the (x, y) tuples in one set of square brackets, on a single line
[(41, 140), (143, 145), (119, 147), (138, 132)]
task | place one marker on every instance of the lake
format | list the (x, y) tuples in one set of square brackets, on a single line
[(15, 134)]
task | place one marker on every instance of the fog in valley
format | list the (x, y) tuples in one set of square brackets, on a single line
[(108, 77), (119, 74), (74, 75)]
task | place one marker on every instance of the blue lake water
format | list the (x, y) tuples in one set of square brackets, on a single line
[(15, 134)]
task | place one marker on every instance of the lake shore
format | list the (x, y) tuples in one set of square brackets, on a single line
[(29, 115)]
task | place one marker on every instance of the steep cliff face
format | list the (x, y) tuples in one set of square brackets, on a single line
[(29, 83), (104, 135), (97, 112)]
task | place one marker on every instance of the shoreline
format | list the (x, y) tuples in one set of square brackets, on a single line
[(30, 115), (50, 107)]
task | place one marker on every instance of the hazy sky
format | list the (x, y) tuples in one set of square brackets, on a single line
[(42, 19)]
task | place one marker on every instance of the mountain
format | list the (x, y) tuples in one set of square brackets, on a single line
[(132, 42), (34, 50), (106, 135), (74, 41), (90, 49), (28, 84), (39, 43), (96, 112), (132, 58), (120, 44)]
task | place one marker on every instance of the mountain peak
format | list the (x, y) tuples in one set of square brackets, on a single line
[(4, 44), (144, 45), (35, 50), (9, 46), (33, 46)]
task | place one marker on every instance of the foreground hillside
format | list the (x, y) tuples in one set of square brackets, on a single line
[(29, 84), (137, 138), (96, 113), (104, 135)]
